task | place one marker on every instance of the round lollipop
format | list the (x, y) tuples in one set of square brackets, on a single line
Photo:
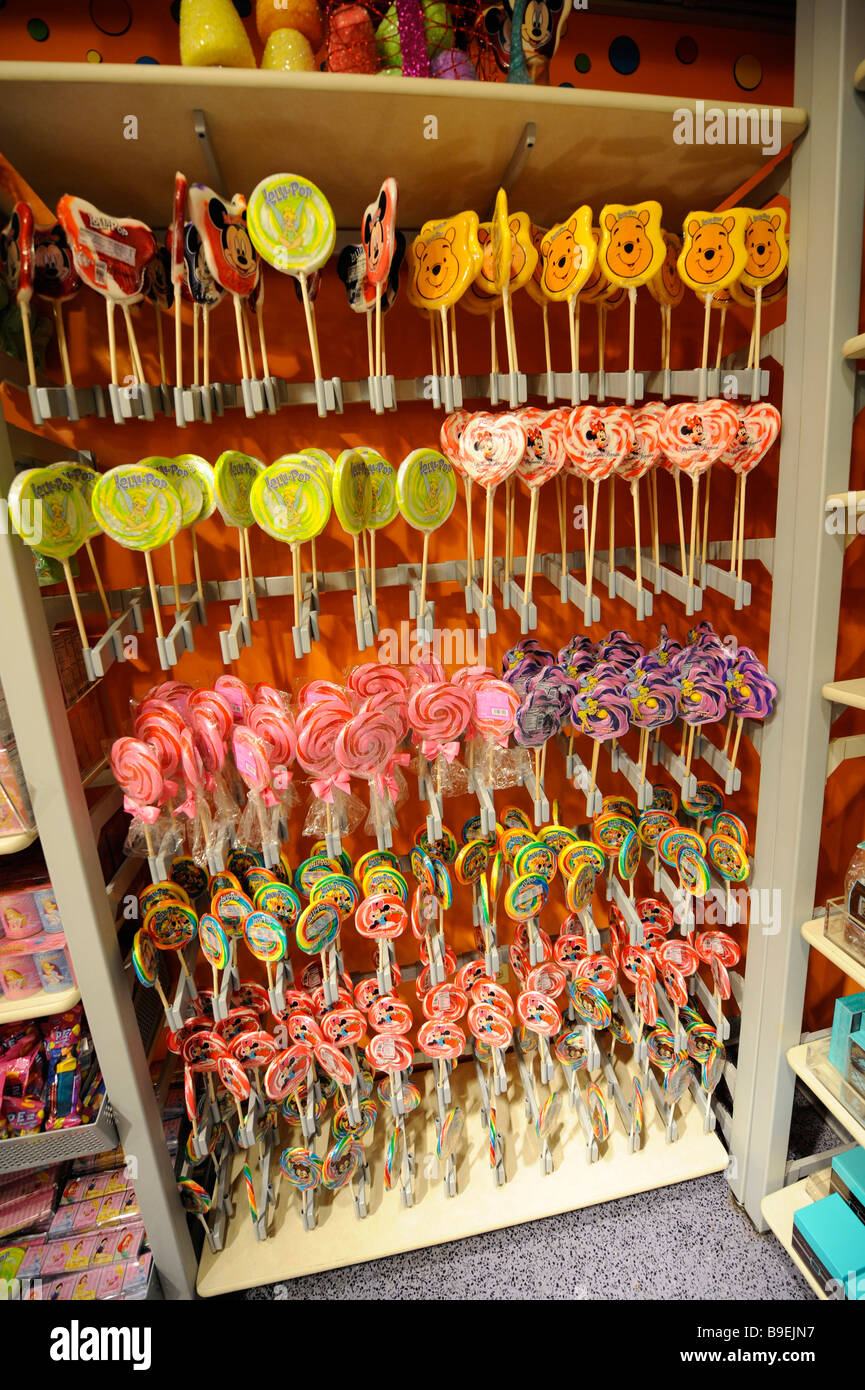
[(291, 502), (292, 227), (49, 514), (426, 491), (141, 510)]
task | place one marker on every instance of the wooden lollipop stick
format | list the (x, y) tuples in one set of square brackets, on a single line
[(167, 1007), (695, 489), (432, 345), (707, 320), (364, 542), (612, 524), (76, 607), (370, 355), (586, 529), (547, 357), (98, 577), (446, 355), (178, 346), (454, 347), (112, 340), (262, 340), (357, 571), (590, 559), (423, 572), (721, 326), (62, 345), (509, 341), (196, 565), (706, 515), (638, 554), (196, 325), (740, 724), (734, 544), (678, 482), (572, 335), (206, 347), (653, 508), (758, 314), (742, 526), (174, 580), (632, 317), (28, 342), (602, 347), (378, 329), (295, 583), (530, 547), (250, 577), (244, 591), (154, 595), (160, 343), (494, 350), (133, 344), (595, 751), (562, 503), (247, 333), (241, 337), (470, 538)]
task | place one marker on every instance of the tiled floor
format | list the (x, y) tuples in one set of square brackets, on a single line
[(683, 1242)]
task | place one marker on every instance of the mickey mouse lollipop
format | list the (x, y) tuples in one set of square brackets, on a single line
[(378, 236), (229, 252)]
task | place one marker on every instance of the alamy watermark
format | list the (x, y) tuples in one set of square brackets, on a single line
[(407, 645), (733, 125), (30, 519), (759, 907)]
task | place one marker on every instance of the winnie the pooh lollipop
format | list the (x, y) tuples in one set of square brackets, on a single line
[(631, 253), (713, 257), (568, 253), (443, 261), (766, 259)]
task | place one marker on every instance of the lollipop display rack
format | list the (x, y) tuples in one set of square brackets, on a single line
[(317, 664)]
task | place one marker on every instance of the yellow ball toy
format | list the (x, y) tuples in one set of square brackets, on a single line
[(288, 51)]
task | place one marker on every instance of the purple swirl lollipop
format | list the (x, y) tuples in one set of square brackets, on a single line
[(654, 701), (702, 697), (538, 718), (751, 692), (601, 713)]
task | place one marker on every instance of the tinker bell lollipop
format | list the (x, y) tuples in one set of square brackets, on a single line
[(49, 514), (141, 510), (292, 227), (233, 476), (291, 502), (350, 485), (383, 506), (426, 490)]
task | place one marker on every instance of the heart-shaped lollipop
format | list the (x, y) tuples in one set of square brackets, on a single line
[(110, 253), (756, 431), (693, 436)]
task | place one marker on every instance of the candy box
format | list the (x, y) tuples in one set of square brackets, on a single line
[(52, 963), (830, 1239), (46, 906), (855, 1071), (85, 1287), (19, 977), (137, 1274), (111, 1282), (31, 1265), (67, 1256), (116, 1181), (19, 915), (848, 1180), (110, 1209), (848, 1018)]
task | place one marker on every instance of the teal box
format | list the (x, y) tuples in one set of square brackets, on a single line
[(849, 1018), (830, 1239), (848, 1180)]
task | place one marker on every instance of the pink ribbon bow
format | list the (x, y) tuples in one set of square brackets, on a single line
[(431, 749), (325, 787)]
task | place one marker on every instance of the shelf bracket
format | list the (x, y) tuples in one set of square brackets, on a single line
[(518, 161), (211, 159)]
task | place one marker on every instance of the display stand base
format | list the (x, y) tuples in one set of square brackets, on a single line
[(481, 1205)]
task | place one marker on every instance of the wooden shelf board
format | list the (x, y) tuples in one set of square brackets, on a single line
[(859, 77), (341, 1239), (348, 132), (854, 348), (850, 692), (38, 1005), (816, 938), (798, 1059), (779, 1208), (11, 844)]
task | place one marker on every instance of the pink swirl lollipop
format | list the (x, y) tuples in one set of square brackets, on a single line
[(756, 432), (647, 450), (472, 676), (159, 724), (317, 728), (136, 770), (250, 758), (440, 1040), (267, 695), (276, 728), (212, 706), (439, 713), (238, 695), (495, 711), (424, 672), (322, 692), (376, 678)]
